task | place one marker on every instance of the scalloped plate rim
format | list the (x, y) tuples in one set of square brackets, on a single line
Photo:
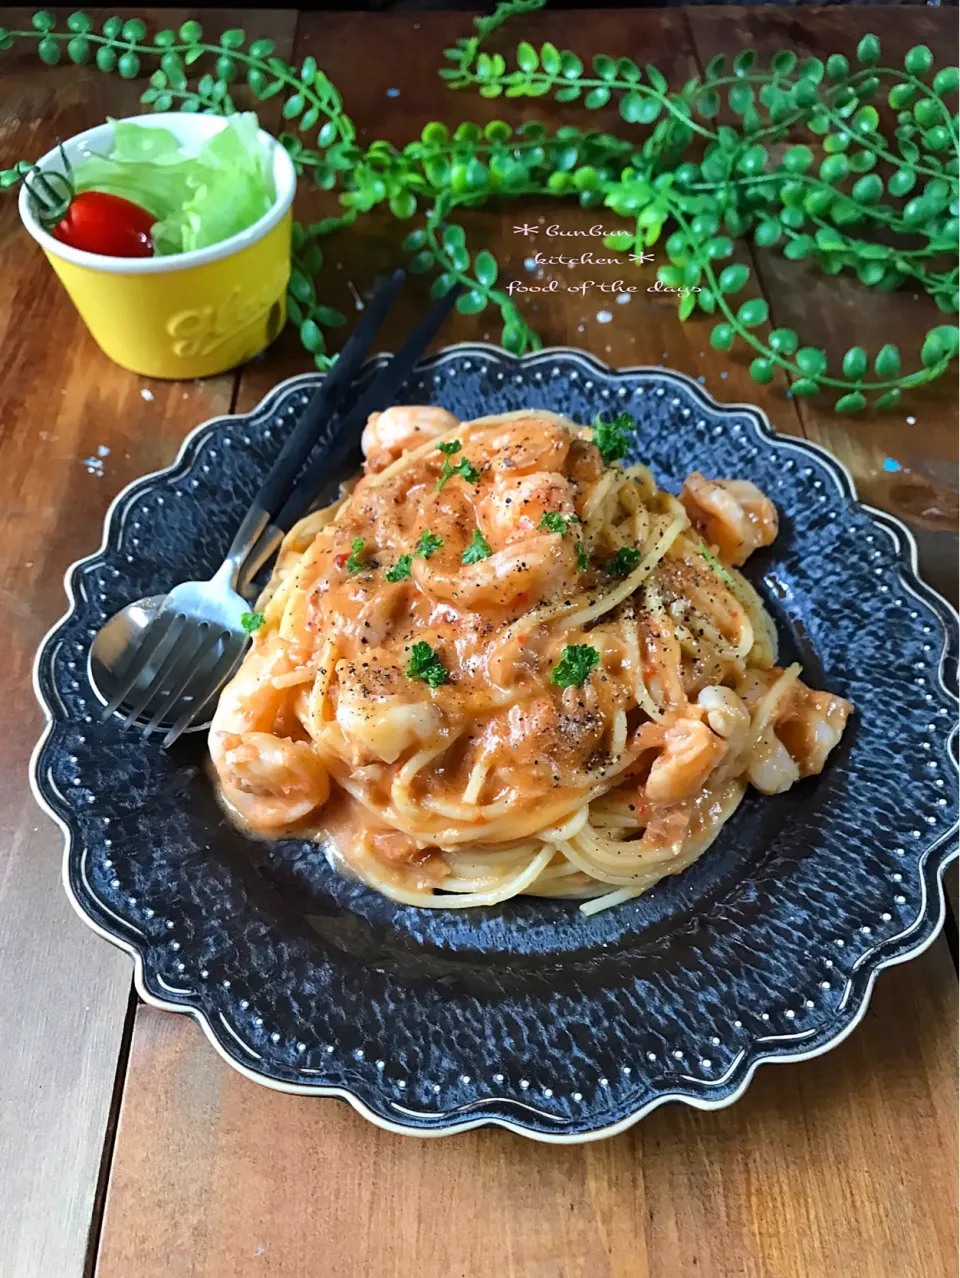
[(942, 855)]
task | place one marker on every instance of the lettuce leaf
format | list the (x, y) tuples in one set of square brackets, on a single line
[(197, 200)]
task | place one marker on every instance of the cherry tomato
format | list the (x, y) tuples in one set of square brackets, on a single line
[(107, 224)]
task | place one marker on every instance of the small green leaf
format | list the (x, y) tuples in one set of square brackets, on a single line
[(471, 303), (804, 386), (49, 51), (868, 51), (293, 106), (837, 67), (637, 109), (403, 204), (192, 33), (753, 313), (851, 403), (834, 168), (855, 363), (887, 362), (762, 370), (946, 81), (918, 60), (902, 182), (311, 336), (811, 361), (527, 59), (799, 247), (743, 62), (888, 398), (767, 233), (783, 340), (485, 268), (657, 79), (868, 189), (550, 58), (45, 21), (129, 66), (733, 277), (721, 339), (81, 24), (78, 50), (784, 61), (328, 317)]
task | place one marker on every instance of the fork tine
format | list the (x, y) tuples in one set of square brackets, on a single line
[(176, 657), (189, 668), (218, 676), (162, 633)]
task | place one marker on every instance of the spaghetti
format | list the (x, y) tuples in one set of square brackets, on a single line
[(503, 664)]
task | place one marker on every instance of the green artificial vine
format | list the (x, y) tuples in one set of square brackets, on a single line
[(883, 207)]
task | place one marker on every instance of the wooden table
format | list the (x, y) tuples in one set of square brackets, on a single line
[(127, 1147)]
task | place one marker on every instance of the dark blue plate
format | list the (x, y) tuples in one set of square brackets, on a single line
[(529, 1014)]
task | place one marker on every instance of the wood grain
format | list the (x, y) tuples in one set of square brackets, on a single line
[(842, 1165), (64, 992)]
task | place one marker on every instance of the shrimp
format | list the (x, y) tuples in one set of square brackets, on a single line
[(811, 727), (387, 435), (524, 445), (270, 779), (380, 713), (733, 514), (805, 727), (690, 753), (515, 504), (521, 572)]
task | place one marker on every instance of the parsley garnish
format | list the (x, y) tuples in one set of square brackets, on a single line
[(427, 544), (401, 569), (583, 559), (576, 662), (466, 470), (425, 664), (613, 438), (251, 621), (715, 564), (624, 561), (554, 522), (478, 549), (354, 563)]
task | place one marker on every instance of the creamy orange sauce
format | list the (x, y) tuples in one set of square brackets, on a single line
[(500, 545)]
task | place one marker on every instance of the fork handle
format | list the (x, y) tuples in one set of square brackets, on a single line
[(321, 409)]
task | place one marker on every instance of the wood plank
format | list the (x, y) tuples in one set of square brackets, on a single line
[(839, 1165), (903, 460), (65, 992)]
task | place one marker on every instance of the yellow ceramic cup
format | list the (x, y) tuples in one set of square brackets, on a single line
[(189, 314)]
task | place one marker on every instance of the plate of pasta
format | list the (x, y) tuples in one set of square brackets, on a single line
[(594, 745)]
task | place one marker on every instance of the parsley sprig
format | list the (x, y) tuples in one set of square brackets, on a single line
[(554, 522), (715, 564), (425, 664), (401, 569), (465, 469), (576, 662), (583, 559), (624, 561), (478, 549), (427, 544), (251, 621), (425, 547), (613, 438), (355, 559)]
